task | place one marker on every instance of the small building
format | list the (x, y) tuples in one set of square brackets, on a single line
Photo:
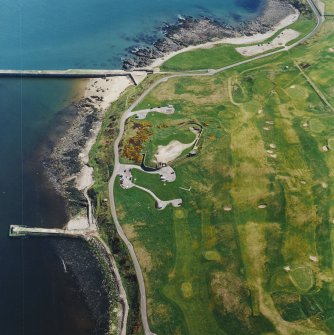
[(192, 153)]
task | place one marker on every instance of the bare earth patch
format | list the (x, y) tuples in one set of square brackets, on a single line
[(187, 290), (129, 231), (232, 293), (144, 258), (282, 39)]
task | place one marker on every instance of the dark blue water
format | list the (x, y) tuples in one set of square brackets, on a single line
[(36, 296), (63, 34)]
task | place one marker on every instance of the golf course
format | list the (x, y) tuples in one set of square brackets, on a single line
[(250, 250)]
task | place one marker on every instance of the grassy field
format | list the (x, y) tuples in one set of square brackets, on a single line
[(329, 6), (198, 59), (223, 55), (250, 250)]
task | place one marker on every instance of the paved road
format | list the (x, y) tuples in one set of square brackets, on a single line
[(210, 72)]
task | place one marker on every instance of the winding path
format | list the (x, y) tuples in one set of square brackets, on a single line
[(210, 72)]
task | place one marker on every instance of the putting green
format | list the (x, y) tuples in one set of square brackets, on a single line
[(317, 126), (302, 277)]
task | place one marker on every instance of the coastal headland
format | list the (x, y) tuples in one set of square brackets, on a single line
[(68, 162), (189, 33)]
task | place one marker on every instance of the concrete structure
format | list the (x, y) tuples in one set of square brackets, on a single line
[(161, 204), (166, 172), (141, 114), (77, 73), (22, 231)]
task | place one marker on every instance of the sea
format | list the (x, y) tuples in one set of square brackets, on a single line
[(38, 294)]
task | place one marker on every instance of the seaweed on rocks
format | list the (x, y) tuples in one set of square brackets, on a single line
[(87, 263), (61, 152)]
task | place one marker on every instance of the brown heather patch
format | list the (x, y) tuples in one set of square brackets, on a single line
[(298, 213), (163, 311), (144, 258), (296, 248), (120, 211), (232, 294), (171, 274), (129, 231)]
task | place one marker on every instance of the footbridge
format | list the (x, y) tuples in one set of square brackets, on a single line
[(74, 73), (23, 231)]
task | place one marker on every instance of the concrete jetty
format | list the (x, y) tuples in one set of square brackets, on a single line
[(22, 231), (74, 73)]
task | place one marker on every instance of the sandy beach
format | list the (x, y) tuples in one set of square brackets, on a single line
[(256, 38)]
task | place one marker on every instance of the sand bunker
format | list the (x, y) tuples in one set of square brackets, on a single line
[(282, 39), (167, 153), (227, 208)]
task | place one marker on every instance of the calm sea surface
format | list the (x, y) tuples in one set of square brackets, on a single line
[(37, 296), (48, 34)]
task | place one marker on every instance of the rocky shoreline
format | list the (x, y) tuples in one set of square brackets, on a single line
[(64, 159), (60, 155), (189, 31), (65, 153)]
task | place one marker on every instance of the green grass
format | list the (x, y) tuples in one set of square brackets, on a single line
[(215, 271), (303, 25), (302, 278), (216, 57), (329, 6), (316, 126)]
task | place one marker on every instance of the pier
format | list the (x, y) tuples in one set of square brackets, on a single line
[(23, 231), (74, 73)]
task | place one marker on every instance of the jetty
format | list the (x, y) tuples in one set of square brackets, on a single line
[(75, 73), (24, 231)]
